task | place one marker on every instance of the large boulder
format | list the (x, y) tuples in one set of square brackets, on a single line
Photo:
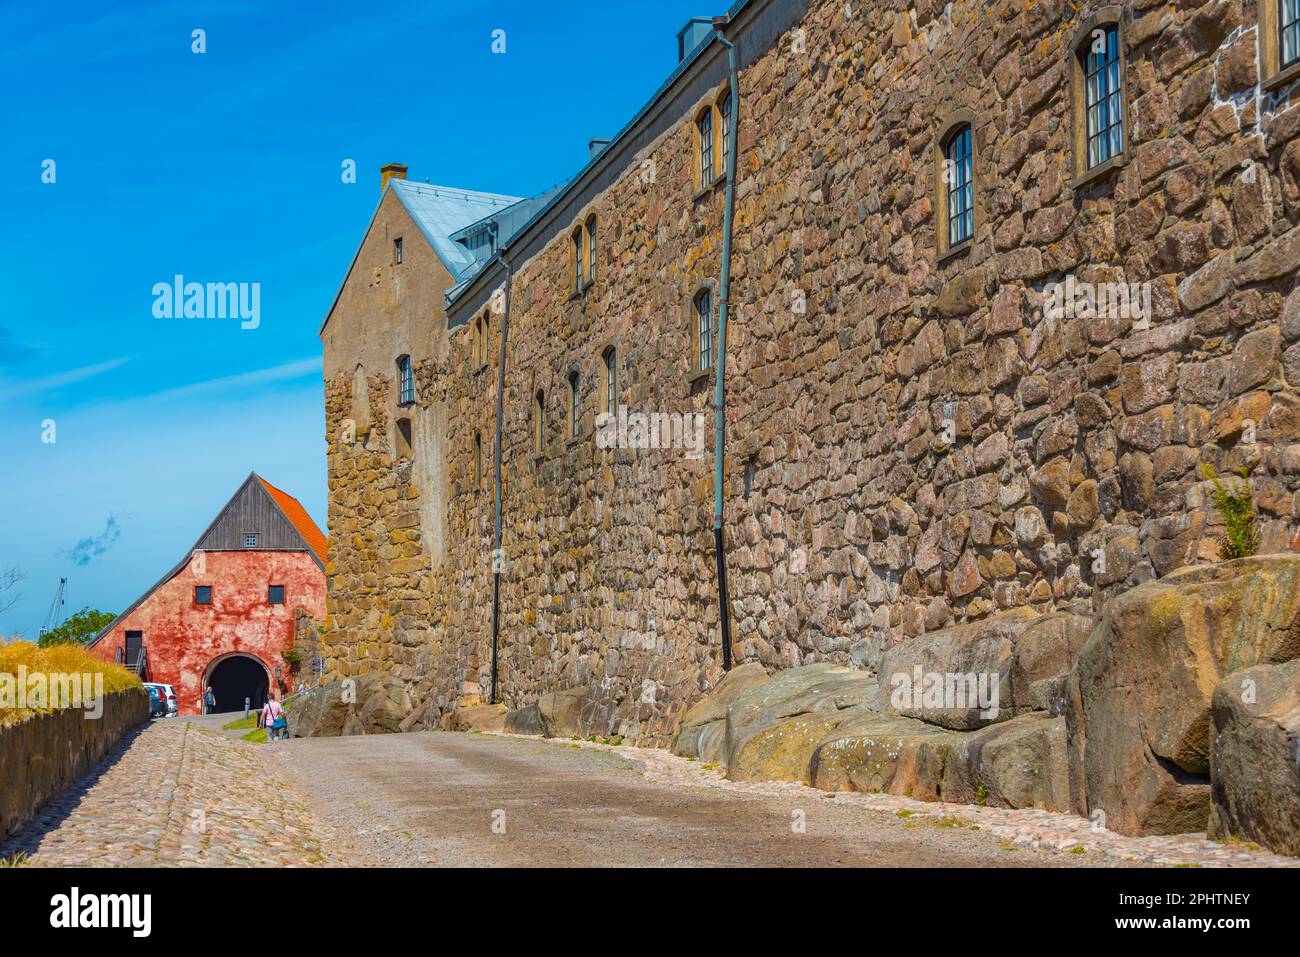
[(482, 717), (1017, 763), (524, 720), (560, 712), (1138, 700), (955, 677), (820, 689), (704, 722), (1255, 759), (874, 752), (372, 703), (1044, 654)]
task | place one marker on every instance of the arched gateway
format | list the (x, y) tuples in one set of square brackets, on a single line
[(235, 677)]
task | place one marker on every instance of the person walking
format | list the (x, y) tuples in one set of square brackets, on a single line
[(209, 701), (273, 719)]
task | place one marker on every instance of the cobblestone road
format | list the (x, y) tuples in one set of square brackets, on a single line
[(175, 793), (184, 793)]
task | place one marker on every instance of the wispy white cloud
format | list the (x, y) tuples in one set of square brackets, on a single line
[(60, 379), (285, 372)]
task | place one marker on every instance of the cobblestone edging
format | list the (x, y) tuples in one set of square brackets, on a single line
[(41, 756), (178, 795), (1027, 829)]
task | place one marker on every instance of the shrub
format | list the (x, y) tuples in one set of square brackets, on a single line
[(63, 658), (1237, 508)]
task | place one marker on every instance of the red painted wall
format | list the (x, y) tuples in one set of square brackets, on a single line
[(182, 639)]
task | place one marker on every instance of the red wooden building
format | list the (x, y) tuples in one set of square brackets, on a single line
[(224, 616)]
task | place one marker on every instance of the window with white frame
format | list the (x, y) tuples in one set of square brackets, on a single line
[(959, 186), (1103, 95), (704, 328), (406, 377)]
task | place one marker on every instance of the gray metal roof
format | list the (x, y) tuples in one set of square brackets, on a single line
[(440, 211)]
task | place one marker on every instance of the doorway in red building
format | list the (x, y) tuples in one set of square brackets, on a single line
[(236, 677)]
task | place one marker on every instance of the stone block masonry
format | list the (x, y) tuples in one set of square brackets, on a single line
[(914, 440), (41, 756)]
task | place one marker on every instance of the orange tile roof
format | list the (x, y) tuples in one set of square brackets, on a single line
[(296, 514)]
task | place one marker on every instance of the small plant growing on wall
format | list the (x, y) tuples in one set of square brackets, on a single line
[(1237, 507)]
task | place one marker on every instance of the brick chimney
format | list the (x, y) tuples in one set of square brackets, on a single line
[(390, 171)]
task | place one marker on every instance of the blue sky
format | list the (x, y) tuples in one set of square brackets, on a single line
[(225, 167)]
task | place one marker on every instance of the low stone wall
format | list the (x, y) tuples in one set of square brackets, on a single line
[(43, 755)]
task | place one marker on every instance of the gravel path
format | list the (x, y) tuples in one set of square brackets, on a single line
[(433, 798), (176, 794)]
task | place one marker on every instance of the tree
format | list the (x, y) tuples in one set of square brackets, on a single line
[(9, 579), (78, 629)]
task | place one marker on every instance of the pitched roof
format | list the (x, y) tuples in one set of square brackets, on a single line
[(437, 211), (305, 535), (297, 515), (440, 211)]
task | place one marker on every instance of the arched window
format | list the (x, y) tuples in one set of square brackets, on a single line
[(609, 381), (577, 260), (724, 131), (959, 186), (1100, 103), (539, 422), (704, 329), (573, 405), (591, 248), (704, 129), (406, 381)]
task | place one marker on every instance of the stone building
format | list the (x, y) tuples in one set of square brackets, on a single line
[(225, 615), (1005, 278)]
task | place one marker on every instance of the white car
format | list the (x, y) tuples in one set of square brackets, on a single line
[(169, 695)]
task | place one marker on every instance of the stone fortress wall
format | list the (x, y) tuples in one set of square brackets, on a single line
[(914, 441)]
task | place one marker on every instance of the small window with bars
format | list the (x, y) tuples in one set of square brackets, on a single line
[(1288, 23), (704, 328), (959, 183), (406, 375), (610, 382), (573, 405), (250, 539), (1104, 92), (705, 126), (577, 260)]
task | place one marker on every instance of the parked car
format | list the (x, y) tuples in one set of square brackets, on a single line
[(168, 695), (157, 701)]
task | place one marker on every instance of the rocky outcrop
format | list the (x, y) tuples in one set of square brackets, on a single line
[(524, 720), (560, 712), (1255, 756), (372, 703), (703, 725), (1139, 701), (482, 717)]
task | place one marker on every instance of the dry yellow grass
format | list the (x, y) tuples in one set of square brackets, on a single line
[(65, 659)]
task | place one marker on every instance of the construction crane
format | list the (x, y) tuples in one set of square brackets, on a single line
[(57, 607)]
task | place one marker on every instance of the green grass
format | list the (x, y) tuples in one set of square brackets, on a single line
[(256, 736), (18, 860), (239, 723)]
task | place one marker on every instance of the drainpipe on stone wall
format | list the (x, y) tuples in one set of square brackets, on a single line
[(497, 561), (719, 365)]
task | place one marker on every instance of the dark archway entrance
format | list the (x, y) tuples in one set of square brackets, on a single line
[(235, 678)]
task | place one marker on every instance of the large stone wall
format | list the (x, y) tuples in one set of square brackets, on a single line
[(41, 756), (852, 524)]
